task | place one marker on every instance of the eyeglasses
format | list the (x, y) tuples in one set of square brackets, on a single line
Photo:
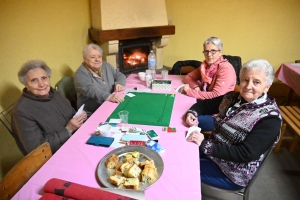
[(206, 52)]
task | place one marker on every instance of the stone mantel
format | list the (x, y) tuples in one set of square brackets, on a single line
[(100, 36)]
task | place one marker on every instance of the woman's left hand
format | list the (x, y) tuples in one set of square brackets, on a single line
[(186, 88), (196, 137), (119, 88)]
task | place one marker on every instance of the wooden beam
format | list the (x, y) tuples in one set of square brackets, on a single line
[(97, 35)]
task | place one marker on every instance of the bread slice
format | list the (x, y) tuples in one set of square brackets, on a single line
[(117, 179), (124, 167), (148, 175), (131, 183), (118, 166), (133, 172), (112, 161), (147, 162)]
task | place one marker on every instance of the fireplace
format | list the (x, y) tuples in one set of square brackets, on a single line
[(128, 31), (133, 55)]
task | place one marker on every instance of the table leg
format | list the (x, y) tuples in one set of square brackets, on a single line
[(289, 97)]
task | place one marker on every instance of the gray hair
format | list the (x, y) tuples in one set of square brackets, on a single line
[(260, 65), (88, 47), (214, 40), (32, 64)]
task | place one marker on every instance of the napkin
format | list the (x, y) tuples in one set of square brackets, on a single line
[(71, 190)]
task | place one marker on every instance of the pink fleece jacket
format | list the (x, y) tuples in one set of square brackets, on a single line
[(223, 81)]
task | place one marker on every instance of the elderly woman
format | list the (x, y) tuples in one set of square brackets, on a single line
[(96, 80), (42, 114), (215, 77), (247, 125)]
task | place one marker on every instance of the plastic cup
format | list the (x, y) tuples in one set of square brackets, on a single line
[(148, 72), (124, 117), (164, 74)]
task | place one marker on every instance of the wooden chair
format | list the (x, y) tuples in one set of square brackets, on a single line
[(24, 170), (244, 192), (5, 118), (291, 119)]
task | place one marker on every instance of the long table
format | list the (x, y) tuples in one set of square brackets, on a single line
[(77, 161), (289, 74)]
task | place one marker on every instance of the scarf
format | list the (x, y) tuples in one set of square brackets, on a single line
[(207, 72), (241, 101)]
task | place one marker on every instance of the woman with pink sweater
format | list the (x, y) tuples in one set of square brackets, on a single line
[(213, 78)]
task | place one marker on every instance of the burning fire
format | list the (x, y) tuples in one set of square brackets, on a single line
[(135, 58)]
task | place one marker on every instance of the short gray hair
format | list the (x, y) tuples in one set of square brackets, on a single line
[(88, 47), (260, 65), (32, 64), (214, 40)]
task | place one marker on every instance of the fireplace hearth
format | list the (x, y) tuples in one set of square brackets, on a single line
[(133, 55)]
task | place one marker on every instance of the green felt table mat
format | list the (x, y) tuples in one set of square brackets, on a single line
[(146, 108)]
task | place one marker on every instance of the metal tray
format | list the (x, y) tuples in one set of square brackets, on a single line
[(145, 154)]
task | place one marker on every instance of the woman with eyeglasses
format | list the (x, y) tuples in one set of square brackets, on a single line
[(213, 78)]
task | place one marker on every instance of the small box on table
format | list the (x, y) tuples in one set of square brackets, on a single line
[(161, 85)]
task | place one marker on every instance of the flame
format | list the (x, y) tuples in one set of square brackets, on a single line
[(135, 58)]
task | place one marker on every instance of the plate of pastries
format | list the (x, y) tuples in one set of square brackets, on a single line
[(130, 167)]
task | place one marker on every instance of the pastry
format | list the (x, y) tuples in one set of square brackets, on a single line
[(131, 183), (112, 161), (117, 179)]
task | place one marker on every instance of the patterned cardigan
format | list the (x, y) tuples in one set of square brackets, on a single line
[(238, 141)]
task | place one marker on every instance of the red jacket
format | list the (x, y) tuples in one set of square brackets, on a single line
[(223, 81)]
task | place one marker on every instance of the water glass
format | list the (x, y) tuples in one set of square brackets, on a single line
[(164, 74), (124, 117)]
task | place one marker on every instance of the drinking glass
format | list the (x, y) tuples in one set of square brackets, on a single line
[(124, 117)]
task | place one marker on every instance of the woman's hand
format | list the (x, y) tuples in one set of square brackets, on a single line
[(117, 98), (196, 137), (186, 88), (119, 88), (197, 88), (76, 122), (191, 120)]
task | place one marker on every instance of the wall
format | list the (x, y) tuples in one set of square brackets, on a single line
[(117, 14), (251, 29), (55, 31)]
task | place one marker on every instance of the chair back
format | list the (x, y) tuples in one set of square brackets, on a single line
[(24, 170), (236, 62), (66, 87), (189, 65), (5, 118)]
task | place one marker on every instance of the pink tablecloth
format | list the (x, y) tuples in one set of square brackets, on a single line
[(290, 75), (77, 162)]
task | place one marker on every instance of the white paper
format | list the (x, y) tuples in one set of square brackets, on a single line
[(114, 121), (178, 88), (130, 94), (116, 143), (137, 90), (191, 129), (79, 111)]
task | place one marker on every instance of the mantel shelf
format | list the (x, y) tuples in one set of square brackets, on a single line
[(97, 35)]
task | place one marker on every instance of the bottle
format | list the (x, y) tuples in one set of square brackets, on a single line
[(152, 63)]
